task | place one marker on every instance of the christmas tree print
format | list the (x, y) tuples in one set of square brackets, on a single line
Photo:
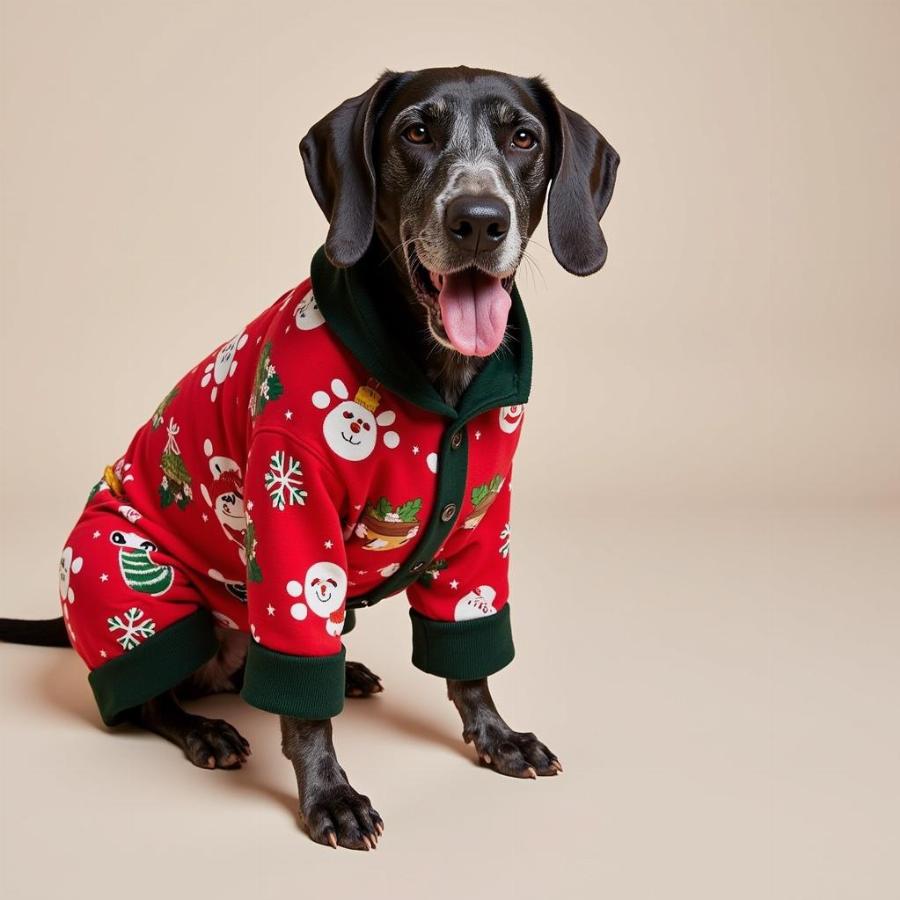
[(254, 573), (175, 486), (284, 481), (134, 627), (158, 415), (267, 385)]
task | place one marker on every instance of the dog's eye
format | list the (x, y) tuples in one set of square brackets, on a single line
[(524, 139), (417, 134)]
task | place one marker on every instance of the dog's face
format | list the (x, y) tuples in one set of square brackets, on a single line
[(449, 168)]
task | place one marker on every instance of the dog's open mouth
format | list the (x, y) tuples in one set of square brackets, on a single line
[(474, 306)]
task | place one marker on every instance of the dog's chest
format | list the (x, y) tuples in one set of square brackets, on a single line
[(425, 494)]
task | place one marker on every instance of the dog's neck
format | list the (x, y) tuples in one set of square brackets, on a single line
[(450, 372)]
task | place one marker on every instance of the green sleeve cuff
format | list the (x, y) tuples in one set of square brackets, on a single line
[(465, 650), (308, 687)]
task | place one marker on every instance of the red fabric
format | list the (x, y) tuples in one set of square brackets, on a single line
[(301, 456)]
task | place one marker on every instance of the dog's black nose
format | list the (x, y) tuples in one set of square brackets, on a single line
[(477, 223)]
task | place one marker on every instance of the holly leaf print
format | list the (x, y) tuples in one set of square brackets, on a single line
[(409, 510)]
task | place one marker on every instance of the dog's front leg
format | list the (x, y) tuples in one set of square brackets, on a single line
[(333, 811), (516, 753)]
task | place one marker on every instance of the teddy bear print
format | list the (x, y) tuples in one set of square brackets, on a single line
[(307, 314), (511, 417), (351, 428), (69, 565), (324, 589), (224, 365), (226, 498), (476, 604)]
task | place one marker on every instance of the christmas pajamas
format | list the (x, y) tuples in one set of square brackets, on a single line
[(304, 469)]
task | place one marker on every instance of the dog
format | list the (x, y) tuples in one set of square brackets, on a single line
[(355, 440)]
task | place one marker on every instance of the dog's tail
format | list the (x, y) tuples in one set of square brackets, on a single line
[(38, 632)]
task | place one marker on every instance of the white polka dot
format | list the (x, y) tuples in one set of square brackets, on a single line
[(294, 588), (321, 400), (207, 447), (298, 611), (391, 439), (388, 417), (431, 461), (339, 389)]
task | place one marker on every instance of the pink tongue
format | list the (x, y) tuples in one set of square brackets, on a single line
[(474, 307)]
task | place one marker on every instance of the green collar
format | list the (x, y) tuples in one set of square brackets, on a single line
[(372, 327)]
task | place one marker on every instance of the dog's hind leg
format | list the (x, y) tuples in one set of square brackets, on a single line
[(223, 674), (207, 743)]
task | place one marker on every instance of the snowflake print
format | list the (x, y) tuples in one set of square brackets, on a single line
[(134, 627), (284, 481), (504, 541)]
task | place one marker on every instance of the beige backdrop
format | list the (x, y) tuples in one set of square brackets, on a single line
[(706, 570)]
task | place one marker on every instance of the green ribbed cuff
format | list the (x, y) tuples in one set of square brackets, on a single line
[(465, 650), (160, 663), (308, 687)]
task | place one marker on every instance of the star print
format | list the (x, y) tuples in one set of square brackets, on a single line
[(362, 571), (415, 451), (250, 505), (328, 545), (289, 414), (270, 610), (477, 435), (96, 534), (454, 584), (104, 577), (358, 506), (103, 653)]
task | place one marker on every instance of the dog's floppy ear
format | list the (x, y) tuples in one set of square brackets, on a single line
[(337, 157), (584, 174)]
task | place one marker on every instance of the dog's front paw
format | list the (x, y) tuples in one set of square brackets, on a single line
[(516, 753), (338, 816), (361, 681)]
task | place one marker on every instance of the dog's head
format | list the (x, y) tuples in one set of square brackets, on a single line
[(449, 168)]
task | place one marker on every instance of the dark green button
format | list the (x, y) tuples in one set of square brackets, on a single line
[(448, 512), (456, 440)]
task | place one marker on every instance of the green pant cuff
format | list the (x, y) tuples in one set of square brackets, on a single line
[(156, 666), (308, 687), (466, 650)]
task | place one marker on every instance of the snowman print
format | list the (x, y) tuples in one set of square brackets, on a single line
[(351, 428), (227, 497), (68, 566), (511, 417), (324, 588), (224, 365), (476, 604), (307, 314)]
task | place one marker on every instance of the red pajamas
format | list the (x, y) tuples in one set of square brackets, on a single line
[(303, 469)]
